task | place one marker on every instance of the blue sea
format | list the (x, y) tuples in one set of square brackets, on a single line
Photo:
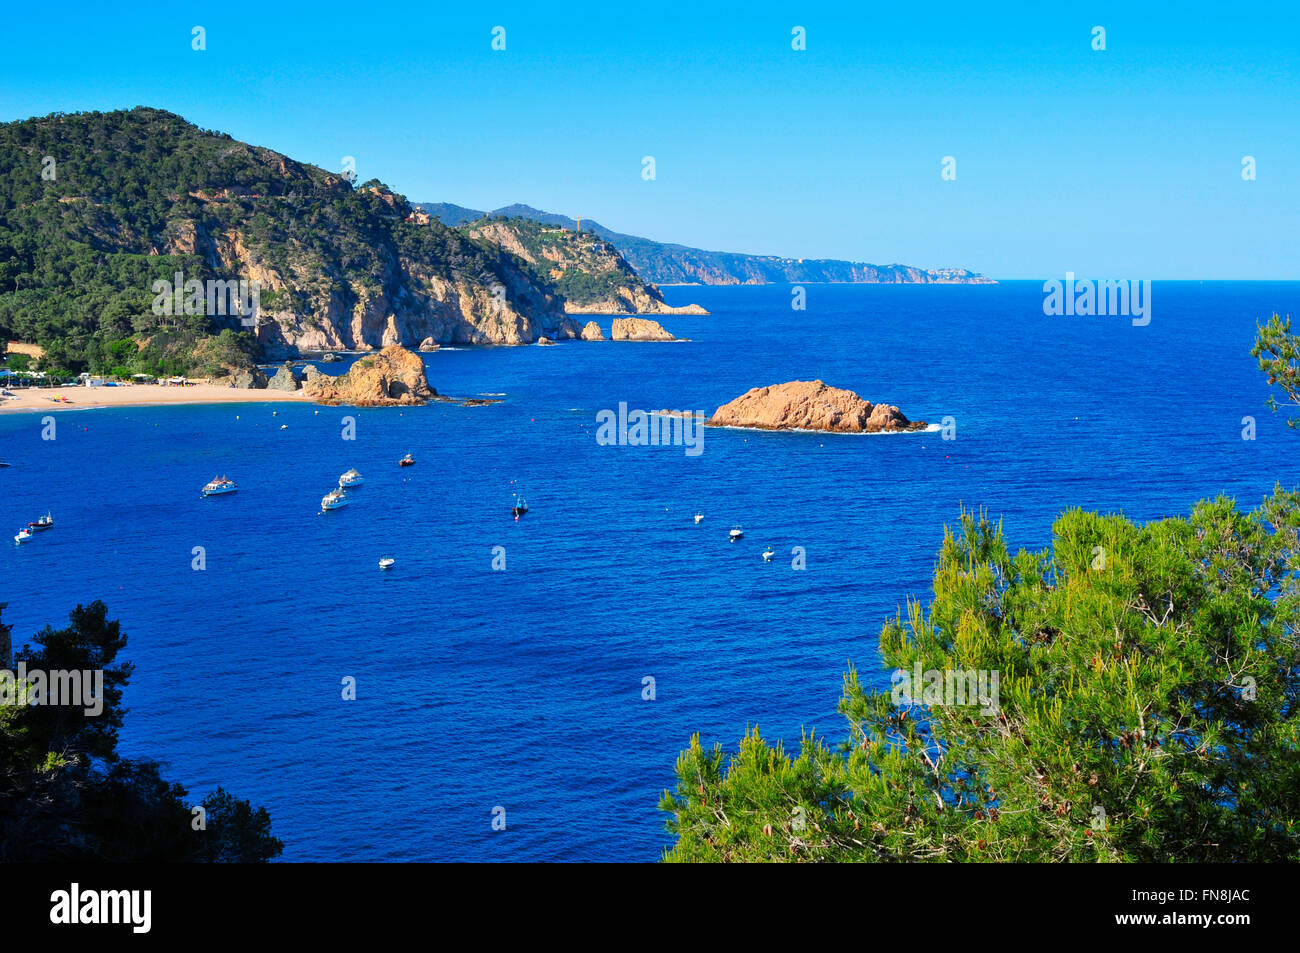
[(522, 688)]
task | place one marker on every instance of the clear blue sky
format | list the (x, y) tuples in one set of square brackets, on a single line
[(1123, 163)]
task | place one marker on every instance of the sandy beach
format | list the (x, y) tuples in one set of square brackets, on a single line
[(86, 398)]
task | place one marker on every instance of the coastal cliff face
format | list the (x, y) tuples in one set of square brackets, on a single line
[(394, 376), (412, 285), (632, 304), (585, 269), (810, 405), (143, 195), (665, 263), (671, 264)]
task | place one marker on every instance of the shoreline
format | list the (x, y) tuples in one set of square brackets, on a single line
[(32, 400)]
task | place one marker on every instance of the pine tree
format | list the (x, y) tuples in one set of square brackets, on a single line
[(1146, 710)]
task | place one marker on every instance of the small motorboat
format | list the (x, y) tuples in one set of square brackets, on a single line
[(334, 499), (351, 478), (23, 536), (406, 461), (45, 522), (736, 533), (520, 506), (329, 357), (698, 517), (220, 485), (386, 562), (768, 554)]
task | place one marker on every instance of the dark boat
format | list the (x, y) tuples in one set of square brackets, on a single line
[(45, 522), (520, 507), (406, 461)]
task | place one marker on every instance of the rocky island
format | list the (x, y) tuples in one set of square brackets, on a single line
[(392, 377), (639, 329), (811, 405)]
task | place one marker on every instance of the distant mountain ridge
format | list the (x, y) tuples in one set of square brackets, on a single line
[(663, 263)]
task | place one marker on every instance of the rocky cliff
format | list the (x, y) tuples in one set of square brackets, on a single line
[(585, 269), (810, 405), (141, 196), (391, 377)]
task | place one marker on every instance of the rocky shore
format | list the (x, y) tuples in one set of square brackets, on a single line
[(633, 304), (391, 377), (811, 405)]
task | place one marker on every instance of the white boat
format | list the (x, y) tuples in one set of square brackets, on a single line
[(698, 517), (220, 485), (333, 500), (23, 536), (386, 562), (351, 478), (736, 532), (768, 554)]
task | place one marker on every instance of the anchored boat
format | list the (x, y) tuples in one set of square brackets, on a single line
[(351, 478), (220, 485), (334, 499), (520, 506), (736, 533), (406, 461), (45, 522), (23, 536)]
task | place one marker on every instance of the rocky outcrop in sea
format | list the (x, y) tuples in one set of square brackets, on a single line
[(811, 405), (638, 329), (394, 376)]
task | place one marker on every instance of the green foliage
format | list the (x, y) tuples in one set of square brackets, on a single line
[(140, 195), (66, 795), (591, 271), (1149, 678), (1278, 353)]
